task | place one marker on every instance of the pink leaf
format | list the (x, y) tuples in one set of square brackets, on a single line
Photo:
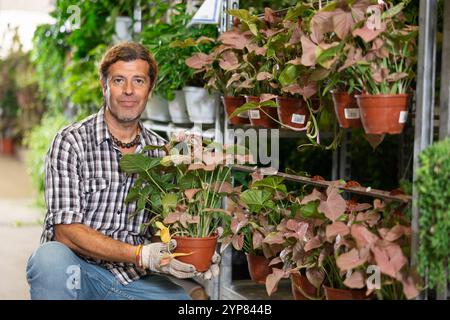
[(229, 61), (297, 61), (275, 261), (266, 97), (234, 39), (238, 241), (172, 217), (355, 280), (309, 52), (274, 238), (363, 237), (313, 196), (257, 239), (190, 193), (395, 233), (410, 287), (350, 260), (314, 243), (321, 23), (342, 22), (389, 257), (236, 225), (315, 277), (253, 47), (334, 206), (273, 279), (367, 34), (336, 228), (199, 60), (263, 76)]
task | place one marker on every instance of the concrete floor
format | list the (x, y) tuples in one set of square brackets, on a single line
[(20, 227)]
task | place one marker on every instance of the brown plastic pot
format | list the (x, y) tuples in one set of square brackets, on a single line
[(344, 294), (258, 267), (232, 103), (202, 251), (259, 118), (302, 289), (7, 146), (346, 109), (383, 113), (292, 112)]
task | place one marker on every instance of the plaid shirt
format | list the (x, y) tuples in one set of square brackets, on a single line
[(84, 184)]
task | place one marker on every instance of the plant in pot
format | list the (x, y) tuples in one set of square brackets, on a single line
[(325, 48), (256, 73), (383, 65), (173, 74), (219, 69), (255, 214), (182, 193)]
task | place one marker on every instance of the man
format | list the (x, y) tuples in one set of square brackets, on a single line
[(91, 249)]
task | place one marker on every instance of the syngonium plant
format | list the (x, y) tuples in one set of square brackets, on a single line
[(255, 214), (183, 190), (362, 46), (342, 243)]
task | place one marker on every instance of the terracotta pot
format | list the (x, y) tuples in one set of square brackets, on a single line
[(202, 251), (7, 146), (344, 294), (346, 109), (259, 118), (232, 103), (258, 267), (302, 289), (292, 112), (383, 113)]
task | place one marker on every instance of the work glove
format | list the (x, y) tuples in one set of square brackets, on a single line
[(213, 270), (156, 257)]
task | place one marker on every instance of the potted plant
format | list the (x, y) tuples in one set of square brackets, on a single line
[(338, 242), (219, 69), (183, 192), (163, 41), (386, 69), (255, 214)]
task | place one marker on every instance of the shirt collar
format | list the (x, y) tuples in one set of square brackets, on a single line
[(102, 133)]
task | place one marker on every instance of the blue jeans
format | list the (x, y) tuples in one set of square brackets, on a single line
[(55, 272)]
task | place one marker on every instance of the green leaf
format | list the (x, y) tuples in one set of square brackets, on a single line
[(289, 75), (325, 57), (393, 11), (256, 200), (169, 201), (138, 163), (310, 211), (272, 183), (245, 107)]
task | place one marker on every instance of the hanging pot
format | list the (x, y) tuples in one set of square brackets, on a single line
[(177, 108), (302, 289), (346, 109), (157, 109), (232, 103), (260, 119), (292, 112), (383, 113), (202, 251), (345, 294), (201, 105)]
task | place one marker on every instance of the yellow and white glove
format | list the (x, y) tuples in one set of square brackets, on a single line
[(154, 257)]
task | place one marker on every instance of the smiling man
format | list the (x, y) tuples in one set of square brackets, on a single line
[(91, 246)]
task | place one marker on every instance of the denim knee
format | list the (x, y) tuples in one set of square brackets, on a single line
[(47, 271)]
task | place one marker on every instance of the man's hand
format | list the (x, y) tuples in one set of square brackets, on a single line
[(153, 253), (213, 270)]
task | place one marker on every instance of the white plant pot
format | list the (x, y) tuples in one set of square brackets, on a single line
[(201, 105), (177, 108), (157, 109), (123, 28)]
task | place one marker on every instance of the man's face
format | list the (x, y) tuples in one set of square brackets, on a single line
[(127, 89)]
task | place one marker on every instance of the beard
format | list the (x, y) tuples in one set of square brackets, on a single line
[(114, 109)]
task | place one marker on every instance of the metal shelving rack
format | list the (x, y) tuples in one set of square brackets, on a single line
[(224, 287)]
